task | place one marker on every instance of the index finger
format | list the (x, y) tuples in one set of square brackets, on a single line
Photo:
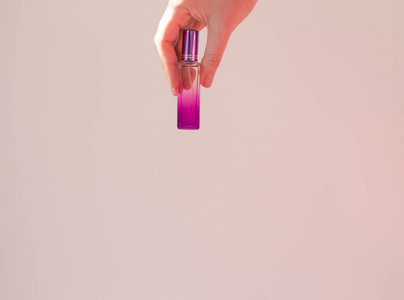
[(167, 32)]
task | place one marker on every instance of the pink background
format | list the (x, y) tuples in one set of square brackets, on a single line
[(292, 188)]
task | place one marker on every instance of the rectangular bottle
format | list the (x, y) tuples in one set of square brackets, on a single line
[(188, 82)]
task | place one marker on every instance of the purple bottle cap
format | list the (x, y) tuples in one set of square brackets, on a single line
[(190, 45)]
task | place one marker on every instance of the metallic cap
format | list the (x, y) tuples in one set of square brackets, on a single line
[(190, 45)]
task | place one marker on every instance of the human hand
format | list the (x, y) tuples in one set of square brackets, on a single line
[(221, 17)]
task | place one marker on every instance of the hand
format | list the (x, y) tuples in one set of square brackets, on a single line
[(221, 17)]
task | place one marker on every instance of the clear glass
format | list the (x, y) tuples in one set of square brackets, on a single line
[(188, 95)]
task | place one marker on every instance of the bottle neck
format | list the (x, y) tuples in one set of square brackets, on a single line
[(189, 57), (191, 63)]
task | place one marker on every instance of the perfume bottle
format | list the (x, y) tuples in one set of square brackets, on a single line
[(188, 82)]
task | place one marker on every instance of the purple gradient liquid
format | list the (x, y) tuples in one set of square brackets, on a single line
[(188, 95)]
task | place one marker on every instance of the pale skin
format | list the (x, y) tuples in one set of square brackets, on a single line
[(220, 17)]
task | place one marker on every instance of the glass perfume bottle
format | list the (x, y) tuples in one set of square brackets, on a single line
[(188, 82)]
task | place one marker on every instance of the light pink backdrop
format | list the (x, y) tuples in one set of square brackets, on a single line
[(292, 189)]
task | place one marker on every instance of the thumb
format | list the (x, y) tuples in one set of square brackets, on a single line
[(215, 46)]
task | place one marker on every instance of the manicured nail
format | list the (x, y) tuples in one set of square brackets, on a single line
[(173, 91)]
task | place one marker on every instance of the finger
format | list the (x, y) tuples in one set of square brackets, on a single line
[(178, 45), (215, 47), (167, 33), (188, 76)]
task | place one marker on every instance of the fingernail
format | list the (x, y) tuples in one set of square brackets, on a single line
[(173, 91), (208, 80)]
